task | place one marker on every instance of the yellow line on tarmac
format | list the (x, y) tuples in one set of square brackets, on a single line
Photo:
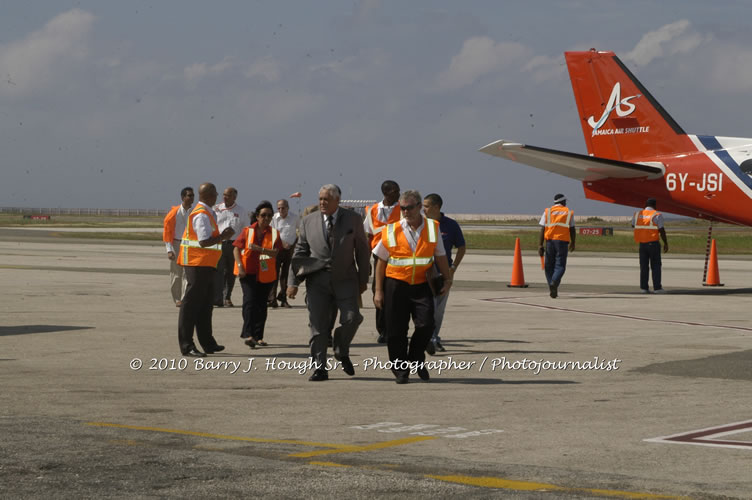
[(329, 464), (508, 484), (219, 436), (368, 447)]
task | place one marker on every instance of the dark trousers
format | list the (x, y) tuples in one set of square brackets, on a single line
[(401, 302), (196, 309), (380, 319), (254, 307), (284, 257), (556, 260), (650, 259), (224, 280)]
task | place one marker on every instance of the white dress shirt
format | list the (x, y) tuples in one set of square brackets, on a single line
[(286, 227), (202, 224), (235, 217)]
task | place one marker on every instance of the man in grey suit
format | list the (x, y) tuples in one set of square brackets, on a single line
[(332, 255)]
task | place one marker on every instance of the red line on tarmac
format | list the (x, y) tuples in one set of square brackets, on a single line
[(704, 437), (613, 315)]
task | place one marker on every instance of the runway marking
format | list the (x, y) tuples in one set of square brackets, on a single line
[(622, 316), (368, 447), (329, 464), (508, 484), (218, 436), (710, 435)]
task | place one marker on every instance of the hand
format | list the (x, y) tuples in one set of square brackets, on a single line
[(571, 246), (446, 287), (171, 255), (226, 234), (378, 299), (292, 291), (541, 251), (363, 287), (665, 247), (241, 272), (270, 252)]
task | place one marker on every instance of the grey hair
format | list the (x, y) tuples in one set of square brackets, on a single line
[(411, 194), (332, 189)]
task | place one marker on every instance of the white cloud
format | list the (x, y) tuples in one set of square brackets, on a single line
[(670, 39), (478, 57), (33, 63), (197, 71), (266, 68)]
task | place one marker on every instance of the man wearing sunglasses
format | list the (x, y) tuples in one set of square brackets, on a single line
[(407, 250)]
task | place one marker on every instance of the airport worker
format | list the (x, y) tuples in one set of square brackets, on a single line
[(333, 253), (174, 227), (557, 237), (287, 225), (407, 250), (377, 216), (452, 237), (229, 214), (200, 250), (648, 227), (255, 255)]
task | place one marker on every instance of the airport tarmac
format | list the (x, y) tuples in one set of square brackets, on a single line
[(602, 392)]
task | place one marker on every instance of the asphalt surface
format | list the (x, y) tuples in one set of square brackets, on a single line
[(534, 397)]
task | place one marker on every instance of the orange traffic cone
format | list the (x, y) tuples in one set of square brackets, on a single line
[(518, 275), (714, 278)]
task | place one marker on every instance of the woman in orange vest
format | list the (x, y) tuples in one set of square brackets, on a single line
[(255, 264)]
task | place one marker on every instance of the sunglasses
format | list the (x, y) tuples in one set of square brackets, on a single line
[(406, 208)]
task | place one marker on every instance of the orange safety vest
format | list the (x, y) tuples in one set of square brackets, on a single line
[(403, 263), (192, 254), (394, 216), (168, 233), (645, 230), (557, 219), (267, 268)]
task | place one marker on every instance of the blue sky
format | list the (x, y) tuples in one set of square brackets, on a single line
[(120, 104)]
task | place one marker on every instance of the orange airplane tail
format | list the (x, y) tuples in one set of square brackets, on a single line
[(620, 119)]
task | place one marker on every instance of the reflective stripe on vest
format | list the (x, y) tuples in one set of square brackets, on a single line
[(192, 254), (267, 268), (394, 216), (558, 219), (645, 231), (404, 263)]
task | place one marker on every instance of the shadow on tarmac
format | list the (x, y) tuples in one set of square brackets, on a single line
[(25, 329)]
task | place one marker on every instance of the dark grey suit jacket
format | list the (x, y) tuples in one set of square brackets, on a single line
[(348, 260)]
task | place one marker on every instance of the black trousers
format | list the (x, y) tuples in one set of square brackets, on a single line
[(254, 307), (380, 318), (650, 260), (225, 275), (401, 302), (284, 257), (196, 309)]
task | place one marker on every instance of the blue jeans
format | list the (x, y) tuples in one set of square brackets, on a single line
[(556, 260), (650, 259)]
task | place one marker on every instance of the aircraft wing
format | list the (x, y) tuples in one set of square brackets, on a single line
[(573, 165)]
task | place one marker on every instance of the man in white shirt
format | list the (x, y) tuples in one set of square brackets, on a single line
[(287, 225), (229, 214), (174, 226)]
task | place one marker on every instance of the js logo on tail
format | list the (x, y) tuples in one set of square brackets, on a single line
[(615, 103)]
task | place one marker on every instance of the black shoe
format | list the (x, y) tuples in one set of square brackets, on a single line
[(286, 305), (554, 290), (250, 343), (439, 347), (216, 348), (402, 379), (431, 348), (319, 375), (194, 353), (273, 304), (347, 365), (219, 305), (381, 339), (423, 373)]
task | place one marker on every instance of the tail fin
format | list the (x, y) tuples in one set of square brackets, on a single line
[(619, 117)]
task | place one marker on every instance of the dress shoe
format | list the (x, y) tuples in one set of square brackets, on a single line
[(219, 305), (553, 290), (194, 353), (381, 339), (178, 303), (431, 348), (228, 303), (250, 343), (423, 373), (273, 304), (402, 379), (319, 375), (347, 365), (439, 347), (261, 342), (286, 305), (216, 348)]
